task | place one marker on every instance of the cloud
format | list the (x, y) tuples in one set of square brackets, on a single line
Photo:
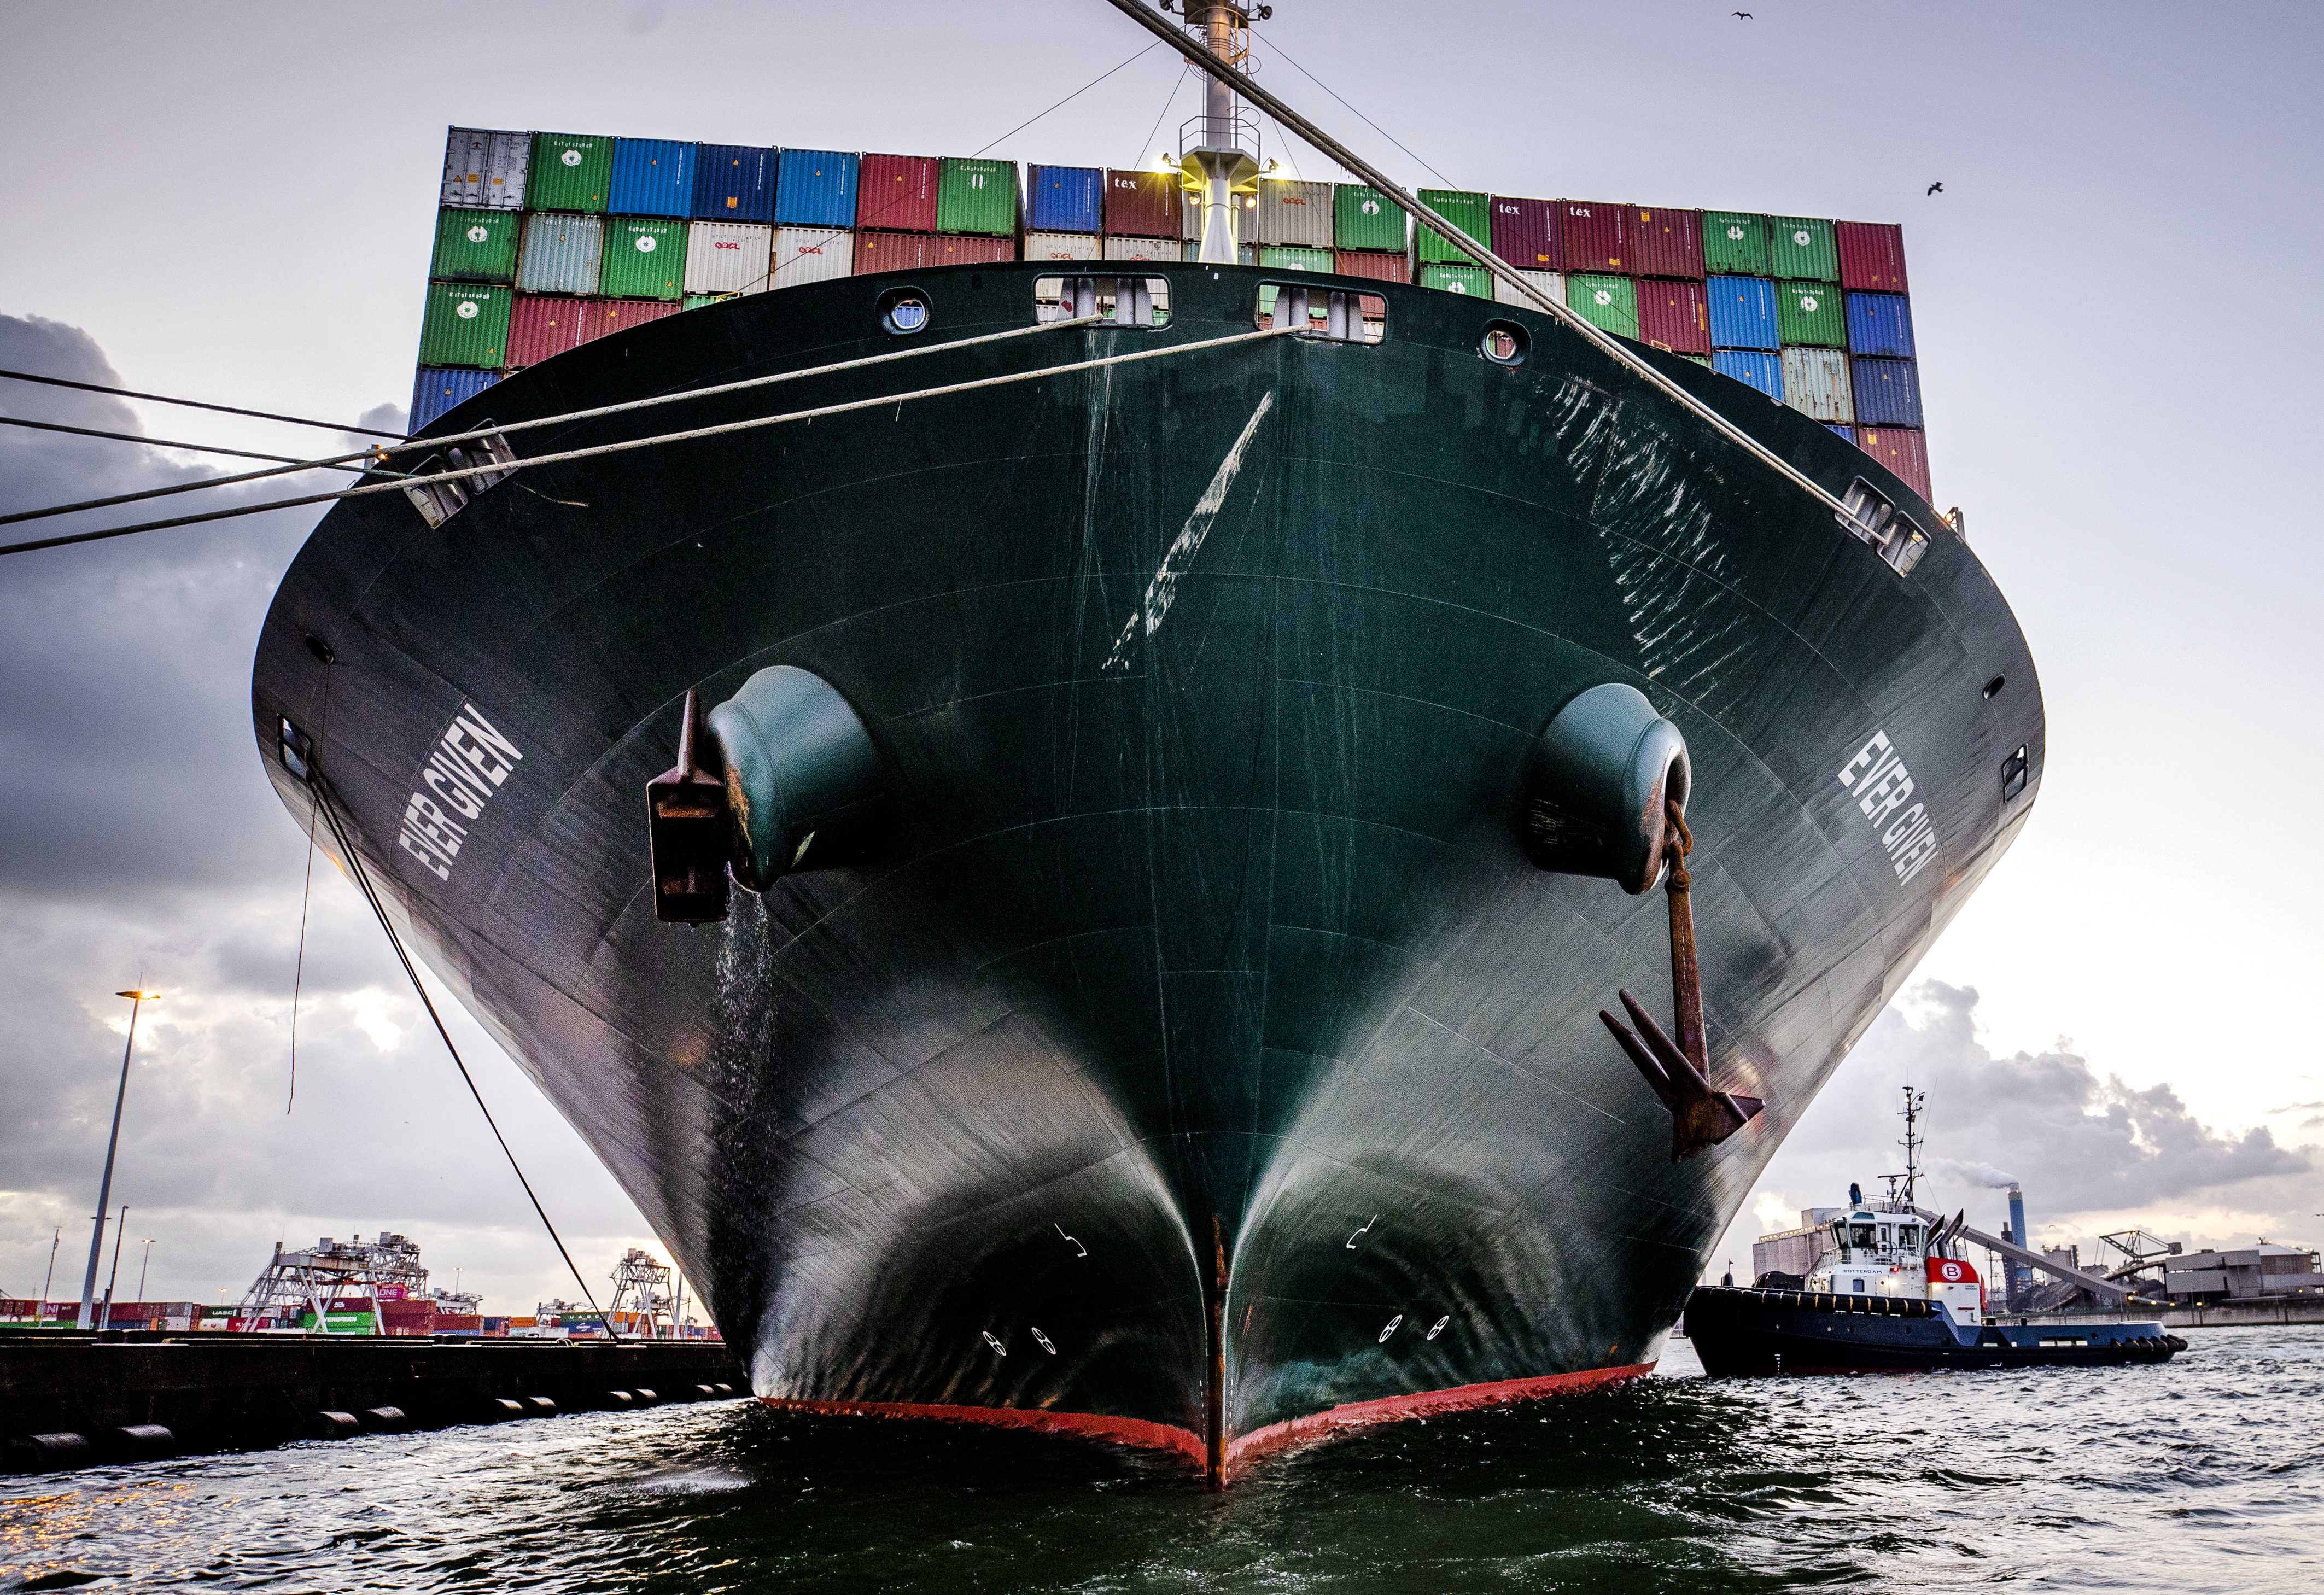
[(140, 841)]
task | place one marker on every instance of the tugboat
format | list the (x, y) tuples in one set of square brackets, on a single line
[(1893, 1292)]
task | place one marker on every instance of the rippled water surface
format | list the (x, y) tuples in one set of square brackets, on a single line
[(2204, 1475)]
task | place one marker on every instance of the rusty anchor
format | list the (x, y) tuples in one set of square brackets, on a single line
[(1679, 1072)]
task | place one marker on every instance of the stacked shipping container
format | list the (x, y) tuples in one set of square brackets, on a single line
[(545, 240)]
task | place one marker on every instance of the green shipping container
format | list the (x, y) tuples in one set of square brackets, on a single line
[(465, 324), (1801, 246), (476, 246), (1365, 219), (1292, 257), (1473, 281), (1609, 302), (1472, 213), (694, 302), (570, 171), (1734, 244), (1811, 313), (977, 197), (645, 258)]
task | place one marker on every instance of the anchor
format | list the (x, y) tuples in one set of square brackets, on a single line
[(1679, 1071)]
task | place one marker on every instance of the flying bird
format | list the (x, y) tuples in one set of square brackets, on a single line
[(1744, 15), (1934, 188)]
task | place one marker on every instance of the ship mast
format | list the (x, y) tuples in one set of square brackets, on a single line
[(1913, 1103), (1218, 151)]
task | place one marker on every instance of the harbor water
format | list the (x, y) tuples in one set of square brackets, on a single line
[(2206, 1475)]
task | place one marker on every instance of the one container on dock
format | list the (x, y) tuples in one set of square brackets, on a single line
[(653, 177), (1811, 313), (977, 197), (1142, 205), (812, 255), (563, 253), (1674, 314), (1551, 285), (570, 171), (1815, 383), (1524, 233), (727, 257), (1470, 212), (1473, 281), (1904, 450), (1743, 313), (1378, 264), (464, 324), (644, 258), (1881, 324), (1606, 302), (898, 193), (1293, 213), (1734, 243), (1593, 237), (1888, 391), (1063, 246), (475, 245), (484, 169), (1064, 199), (1753, 367), (436, 389), (1871, 257), (1364, 218), (815, 187), (1801, 246), (734, 183), (1665, 242)]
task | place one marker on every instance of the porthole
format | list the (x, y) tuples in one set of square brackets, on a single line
[(1504, 344), (1993, 687), (904, 311)]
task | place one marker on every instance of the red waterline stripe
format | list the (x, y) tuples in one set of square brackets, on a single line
[(1247, 1449), (1091, 1426)]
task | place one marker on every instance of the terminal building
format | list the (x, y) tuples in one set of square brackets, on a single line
[(2266, 1269)]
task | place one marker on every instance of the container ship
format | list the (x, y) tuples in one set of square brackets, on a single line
[(1070, 807)]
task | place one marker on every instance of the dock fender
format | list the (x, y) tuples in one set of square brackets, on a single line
[(803, 781), (1597, 782)]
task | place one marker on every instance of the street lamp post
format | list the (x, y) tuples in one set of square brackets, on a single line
[(137, 999), (144, 1262)]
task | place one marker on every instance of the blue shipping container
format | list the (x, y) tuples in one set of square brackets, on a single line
[(1837, 430), (734, 183), (1067, 199), (1743, 313), (653, 177), (437, 388), (815, 189), (1888, 393), (1763, 372), (1881, 324)]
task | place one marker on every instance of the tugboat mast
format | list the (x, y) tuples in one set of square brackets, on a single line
[(1913, 1103)]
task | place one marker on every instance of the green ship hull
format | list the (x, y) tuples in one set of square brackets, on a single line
[(1190, 1053)]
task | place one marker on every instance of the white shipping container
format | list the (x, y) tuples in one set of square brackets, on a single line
[(812, 255), (1551, 283), (1246, 208), (1815, 383), (1141, 249), (1060, 246), (484, 169), (1294, 213), (561, 252), (727, 257)]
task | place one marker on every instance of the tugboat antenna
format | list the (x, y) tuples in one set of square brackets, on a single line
[(1913, 1103)]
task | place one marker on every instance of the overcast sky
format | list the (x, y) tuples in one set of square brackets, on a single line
[(2117, 304)]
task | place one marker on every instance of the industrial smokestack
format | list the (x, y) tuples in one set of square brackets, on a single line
[(2021, 1277)]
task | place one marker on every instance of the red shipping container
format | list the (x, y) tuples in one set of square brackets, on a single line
[(1375, 263), (1674, 315), (1665, 243), (1524, 233), (1593, 237), (603, 315), (1902, 449), (898, 193), (956, 249), (543, 325), (1142, 204), (894, 251), (1871, 257)]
